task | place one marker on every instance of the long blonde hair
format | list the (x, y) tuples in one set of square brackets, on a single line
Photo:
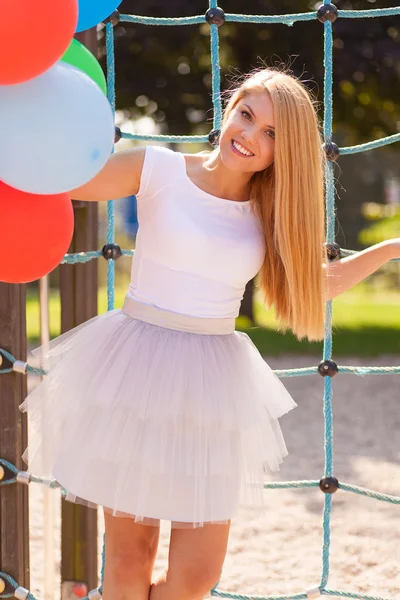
[(289, 197)]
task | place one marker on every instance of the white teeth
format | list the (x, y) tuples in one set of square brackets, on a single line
[(241, 149)]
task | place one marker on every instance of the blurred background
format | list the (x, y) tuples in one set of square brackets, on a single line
[(163, 86)]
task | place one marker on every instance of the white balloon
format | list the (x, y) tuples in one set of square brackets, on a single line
[(56, 131)]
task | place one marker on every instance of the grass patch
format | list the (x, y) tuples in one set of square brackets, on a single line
[(366, 322)]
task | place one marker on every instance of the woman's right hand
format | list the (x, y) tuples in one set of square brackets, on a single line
[(120, 177)]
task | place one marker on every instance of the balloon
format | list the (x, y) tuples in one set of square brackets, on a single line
[(37, 232), (57, 131), (34, 34), (79, 56), (93, 12)]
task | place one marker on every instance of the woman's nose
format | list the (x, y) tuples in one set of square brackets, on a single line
[(246, 136)]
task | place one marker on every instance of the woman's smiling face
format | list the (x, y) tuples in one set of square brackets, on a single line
[(247, 138)]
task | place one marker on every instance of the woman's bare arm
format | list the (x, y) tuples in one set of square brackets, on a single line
[(119, 177), (344, 273)]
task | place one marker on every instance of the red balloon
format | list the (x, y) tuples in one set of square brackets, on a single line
[(35, 233), (34, 34)]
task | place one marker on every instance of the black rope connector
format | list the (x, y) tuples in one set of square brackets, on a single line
[(215, 16), (327, 368), (332, 251), (111, 251), (118, 135), (329, 485), (114, 18), (213, 137), (327, 12), (331, 150)]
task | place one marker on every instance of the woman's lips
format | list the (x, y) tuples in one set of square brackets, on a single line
[(236, 151)]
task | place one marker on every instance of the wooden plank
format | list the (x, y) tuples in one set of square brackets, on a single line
[(78, 289), (14, 517)]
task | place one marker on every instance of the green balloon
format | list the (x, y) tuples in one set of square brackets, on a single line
[(79, 56)]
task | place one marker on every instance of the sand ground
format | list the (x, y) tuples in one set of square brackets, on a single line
[(281, 552)]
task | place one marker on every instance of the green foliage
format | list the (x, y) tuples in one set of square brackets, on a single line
[(385, 227), (366, 323), (170, 66)]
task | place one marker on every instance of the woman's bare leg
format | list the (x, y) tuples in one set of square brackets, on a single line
[(130, 554), (195, 562)]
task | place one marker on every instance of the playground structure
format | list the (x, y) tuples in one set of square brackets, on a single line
[(79, 279)]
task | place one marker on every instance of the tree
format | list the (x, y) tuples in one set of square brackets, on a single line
[(171, 65)]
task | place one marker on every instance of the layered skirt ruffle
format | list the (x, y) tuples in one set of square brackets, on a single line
[(157, 423)]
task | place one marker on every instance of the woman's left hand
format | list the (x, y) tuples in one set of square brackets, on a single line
[(348, 271)]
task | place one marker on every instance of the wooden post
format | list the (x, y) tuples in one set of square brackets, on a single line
[(78, 288), (14, 517)]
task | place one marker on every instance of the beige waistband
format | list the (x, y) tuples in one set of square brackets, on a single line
[(171, 320)]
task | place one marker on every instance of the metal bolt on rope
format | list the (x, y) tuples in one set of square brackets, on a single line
[(331, 151), (23, 477), (327, 12), (332, 251), (111, 251), (213, 137), (94, 594), (118, 135), (19, 366), (215, 16), (327, 368), (329, 485), (21, 593)]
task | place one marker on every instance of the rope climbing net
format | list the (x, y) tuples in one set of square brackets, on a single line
[(327, 14)]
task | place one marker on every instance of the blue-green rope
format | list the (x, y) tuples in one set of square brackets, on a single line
[(272, 485), (110, 203), (300, 372), (288, 19), (215, 71), (180, 139), (327, 350), (390, 139), (84, 257)]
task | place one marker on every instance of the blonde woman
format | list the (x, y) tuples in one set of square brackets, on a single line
[(160, 410)]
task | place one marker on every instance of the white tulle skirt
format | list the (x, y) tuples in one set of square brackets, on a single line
[(156, 415)]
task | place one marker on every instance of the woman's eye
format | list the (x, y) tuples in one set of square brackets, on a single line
[(246, 115)]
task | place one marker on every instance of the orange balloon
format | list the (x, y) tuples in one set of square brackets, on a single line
[(34, 34), (35, 232)]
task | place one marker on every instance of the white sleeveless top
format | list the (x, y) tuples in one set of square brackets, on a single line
[(195, 252)]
